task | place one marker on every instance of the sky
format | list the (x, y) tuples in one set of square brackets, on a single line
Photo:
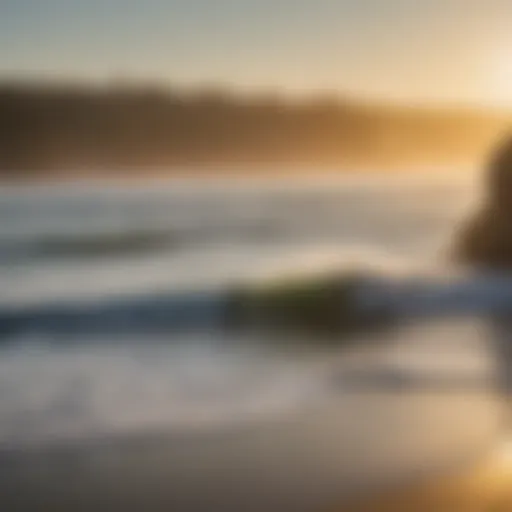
[(422, 51)]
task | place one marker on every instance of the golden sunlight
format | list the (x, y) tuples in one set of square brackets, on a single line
[(505, 456), (500, 78)]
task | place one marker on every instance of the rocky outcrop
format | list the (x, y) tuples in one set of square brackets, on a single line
[(485, 241)]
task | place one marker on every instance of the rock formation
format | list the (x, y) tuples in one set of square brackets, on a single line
[(485, 242)]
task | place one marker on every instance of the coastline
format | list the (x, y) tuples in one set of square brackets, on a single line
[(242, 172)]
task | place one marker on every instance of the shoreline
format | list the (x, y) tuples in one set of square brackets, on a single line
[(242, 173), (486, 486)]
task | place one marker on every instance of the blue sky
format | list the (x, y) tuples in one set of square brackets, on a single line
[(409, 50)]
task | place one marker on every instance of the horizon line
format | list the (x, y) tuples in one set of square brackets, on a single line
[(278, 93)]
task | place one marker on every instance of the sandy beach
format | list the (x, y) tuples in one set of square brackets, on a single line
[(485, 487)]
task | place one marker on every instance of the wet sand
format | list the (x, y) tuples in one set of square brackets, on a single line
[(484, 487)]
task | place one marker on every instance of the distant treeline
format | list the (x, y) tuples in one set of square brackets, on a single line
[(45, 129)]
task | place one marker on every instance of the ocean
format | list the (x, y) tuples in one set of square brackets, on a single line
[(112, 397)]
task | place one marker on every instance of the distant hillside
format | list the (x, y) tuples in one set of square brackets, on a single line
[(47, 129)]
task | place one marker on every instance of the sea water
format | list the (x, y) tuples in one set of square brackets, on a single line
[(133, 410)]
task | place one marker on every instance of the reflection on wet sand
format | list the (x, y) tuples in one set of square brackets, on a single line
[(345, 445), (484, 487)]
